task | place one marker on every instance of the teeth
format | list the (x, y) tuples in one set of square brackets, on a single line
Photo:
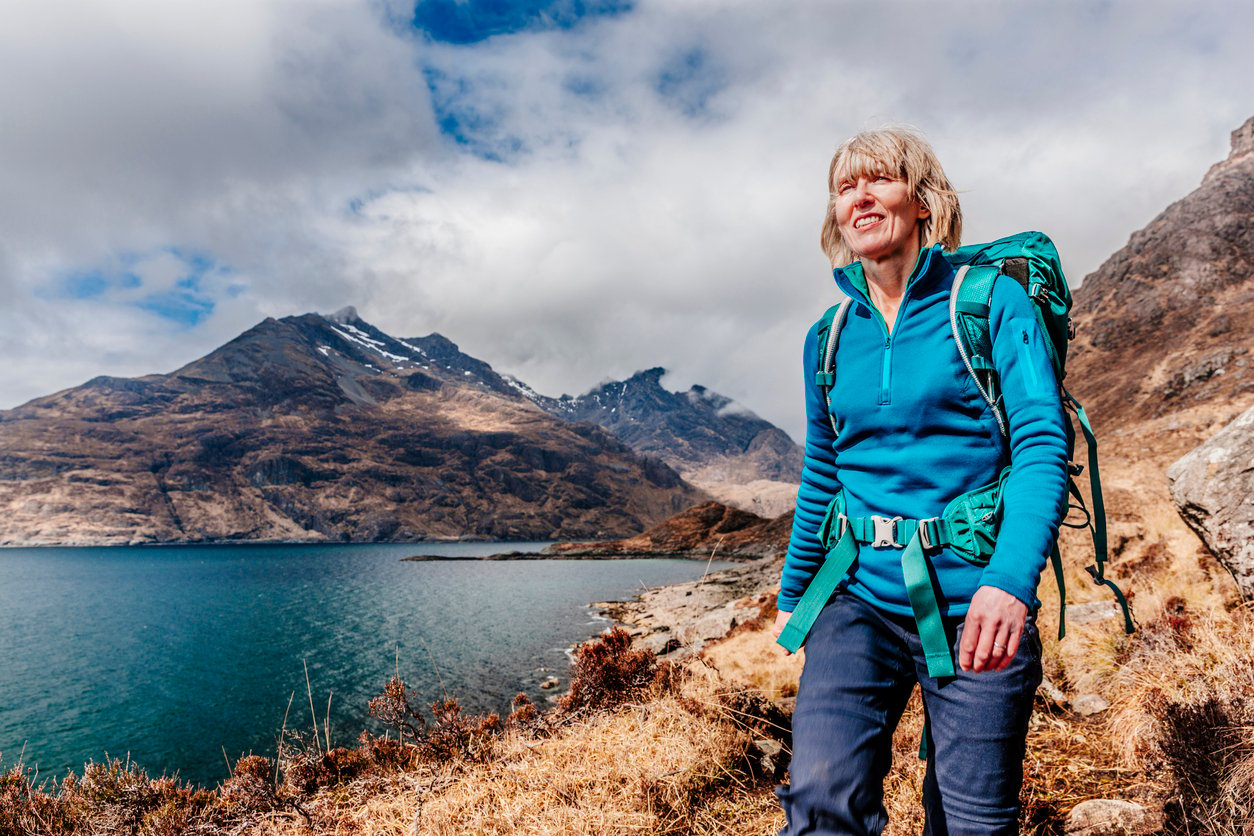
[(869, 219)]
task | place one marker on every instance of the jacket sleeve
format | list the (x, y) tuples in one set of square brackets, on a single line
[(819, 485), (1035, 493)]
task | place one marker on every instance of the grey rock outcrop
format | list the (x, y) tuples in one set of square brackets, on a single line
[(1111, 817), (1213, 488)]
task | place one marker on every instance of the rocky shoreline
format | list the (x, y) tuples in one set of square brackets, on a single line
[(678, 621)]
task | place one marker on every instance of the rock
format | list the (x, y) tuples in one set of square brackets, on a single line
[(1052, 692), (1086, 705), (678, 621), (1092, 612), (1111, 817), (767, 759), (550, 682), (1213, 488)]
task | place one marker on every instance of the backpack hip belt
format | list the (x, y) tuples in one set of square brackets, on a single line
[(968, 527)]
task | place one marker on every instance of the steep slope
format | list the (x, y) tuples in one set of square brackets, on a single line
[(1165, 329), (714, 443), (1167, 323), (317, 428)]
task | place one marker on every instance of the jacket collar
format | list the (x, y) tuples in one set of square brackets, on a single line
[(930, 267)]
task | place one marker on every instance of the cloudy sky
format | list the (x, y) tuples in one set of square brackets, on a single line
[(571, 190)]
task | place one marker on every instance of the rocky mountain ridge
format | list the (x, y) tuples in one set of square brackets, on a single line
[(317, 428), (1167, 322), (713, 442), (325, 428)]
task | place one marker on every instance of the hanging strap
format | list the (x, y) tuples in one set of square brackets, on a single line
[(830, 575), (1098, 517)]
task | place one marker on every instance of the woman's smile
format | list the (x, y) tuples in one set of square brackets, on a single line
[(877, 216)]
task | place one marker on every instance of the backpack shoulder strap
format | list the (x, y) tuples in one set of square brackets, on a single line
[(970, 301), (830, 324)]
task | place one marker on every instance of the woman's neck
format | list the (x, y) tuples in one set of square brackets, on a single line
[(886, 281)]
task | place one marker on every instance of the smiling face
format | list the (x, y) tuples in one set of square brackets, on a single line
[(877, 216), (876, 165)]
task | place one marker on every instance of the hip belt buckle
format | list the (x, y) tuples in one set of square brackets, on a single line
[(885, 532)]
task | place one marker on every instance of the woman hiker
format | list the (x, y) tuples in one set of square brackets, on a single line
[(906, 434)]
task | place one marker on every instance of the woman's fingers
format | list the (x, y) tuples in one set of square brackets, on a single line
[(991, 631)]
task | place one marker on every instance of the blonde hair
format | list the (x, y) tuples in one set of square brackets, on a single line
[(902, 153)]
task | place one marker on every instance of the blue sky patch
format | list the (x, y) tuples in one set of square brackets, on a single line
[(185, 303), (689, 81), (472, 21), (465, 118), (169, 282)]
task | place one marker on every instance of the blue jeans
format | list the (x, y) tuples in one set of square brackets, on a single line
[(861, 666)]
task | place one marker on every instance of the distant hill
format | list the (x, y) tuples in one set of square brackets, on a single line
[(318, 428)]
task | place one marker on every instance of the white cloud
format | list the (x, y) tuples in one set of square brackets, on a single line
[(659, 181)]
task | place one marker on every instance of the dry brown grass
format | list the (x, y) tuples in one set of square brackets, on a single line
[(679, 759), (1184, 713), (751, 659)]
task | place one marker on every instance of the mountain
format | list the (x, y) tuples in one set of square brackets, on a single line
[(1161, 361), (318, 428), (712, 442), (1165, 326)]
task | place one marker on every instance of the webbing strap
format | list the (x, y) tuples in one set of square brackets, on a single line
[(1055, 558), (927, 615), (1098, 570), (830, 574)]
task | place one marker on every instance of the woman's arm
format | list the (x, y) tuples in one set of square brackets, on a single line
[(1034, 494), (819, 484)]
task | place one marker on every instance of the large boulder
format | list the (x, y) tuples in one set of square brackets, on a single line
[(1213, 488)]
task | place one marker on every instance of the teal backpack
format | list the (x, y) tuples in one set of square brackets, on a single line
[(968, 526)]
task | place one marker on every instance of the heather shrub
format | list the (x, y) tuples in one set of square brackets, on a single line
[(449, 734), (609, 672)]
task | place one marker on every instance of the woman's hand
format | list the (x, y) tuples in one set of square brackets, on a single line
[(991, 632), (781, 618)]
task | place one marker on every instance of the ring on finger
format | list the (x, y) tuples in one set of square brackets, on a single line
[(999, 645)]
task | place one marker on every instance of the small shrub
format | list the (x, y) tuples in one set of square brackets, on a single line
[(386, 753), (524, 714), (250, 790), (448, 735), (608, 673)]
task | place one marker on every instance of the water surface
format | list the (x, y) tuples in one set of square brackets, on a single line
[(185, 657)]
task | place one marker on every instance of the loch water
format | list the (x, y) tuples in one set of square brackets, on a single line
[(183, 658)]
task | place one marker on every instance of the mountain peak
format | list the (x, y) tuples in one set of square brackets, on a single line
[(1243, 140), (343, 316)]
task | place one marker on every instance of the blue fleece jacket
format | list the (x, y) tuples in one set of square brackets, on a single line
[(914, 433)]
